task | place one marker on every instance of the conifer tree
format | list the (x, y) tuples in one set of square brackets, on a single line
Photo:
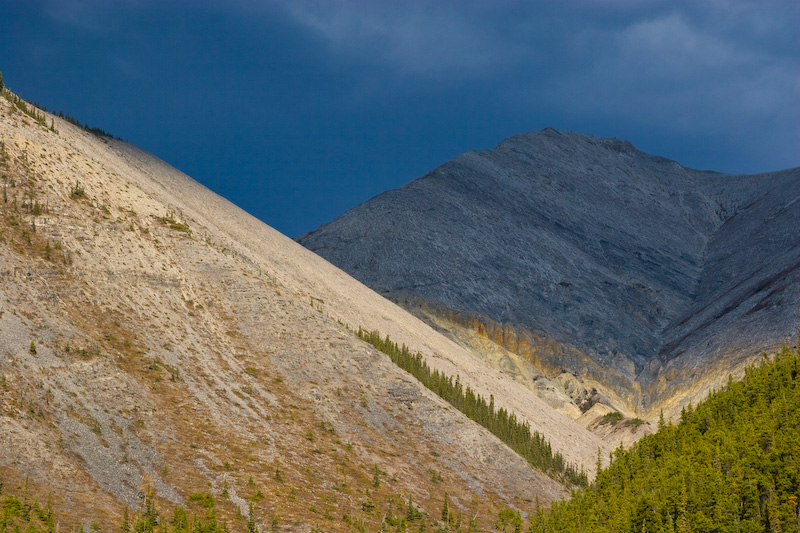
[(126, 525), (376, 478), (252, 527)]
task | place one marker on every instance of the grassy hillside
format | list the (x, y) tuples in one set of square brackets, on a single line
[(155, 337), (732, 464)]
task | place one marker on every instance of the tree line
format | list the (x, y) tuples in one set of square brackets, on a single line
[(30, 109), (517, 434)]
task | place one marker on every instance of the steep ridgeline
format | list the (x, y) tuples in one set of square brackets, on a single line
[(162, 350), (588, 270)]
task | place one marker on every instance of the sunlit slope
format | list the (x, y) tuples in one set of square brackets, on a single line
[(153, 334)]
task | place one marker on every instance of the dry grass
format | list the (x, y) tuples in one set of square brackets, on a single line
[(204, 359)]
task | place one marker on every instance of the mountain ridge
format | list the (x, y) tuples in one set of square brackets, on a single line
[(553, 232)]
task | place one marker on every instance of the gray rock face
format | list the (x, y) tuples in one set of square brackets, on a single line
[(632, 258)]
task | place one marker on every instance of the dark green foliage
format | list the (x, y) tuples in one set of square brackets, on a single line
[(412, 512), (26, 108), (149, 520), (611, 418), (517, 435), (204, 499), (23, 515), (368, 506), (36, 209), (2, 85), (635, 422), (252, 527), (376, 477), (509, 520), (94, 131), (731, 465)]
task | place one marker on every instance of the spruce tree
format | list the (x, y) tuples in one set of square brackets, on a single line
[(252, 527), (376, 478), (126, 524)]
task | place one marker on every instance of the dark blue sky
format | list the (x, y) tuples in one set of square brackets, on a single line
[(298, 110)]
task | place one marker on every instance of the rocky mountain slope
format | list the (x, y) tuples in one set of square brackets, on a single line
[(586, 269), (155, 336)]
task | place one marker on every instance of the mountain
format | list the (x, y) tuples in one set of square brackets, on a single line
[(589, 271), (162, 349)]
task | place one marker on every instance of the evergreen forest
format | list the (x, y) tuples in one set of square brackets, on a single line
[(732, 464)]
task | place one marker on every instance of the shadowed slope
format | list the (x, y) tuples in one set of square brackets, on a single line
[(587, 242)]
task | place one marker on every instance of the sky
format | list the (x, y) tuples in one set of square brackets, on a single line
[(298, 110)]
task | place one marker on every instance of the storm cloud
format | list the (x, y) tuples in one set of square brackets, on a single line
[(298, 110)]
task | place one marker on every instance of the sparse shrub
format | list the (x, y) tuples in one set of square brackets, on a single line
[(170, 221), (611, 418), (368, 506), (203, 498), (77, 191)]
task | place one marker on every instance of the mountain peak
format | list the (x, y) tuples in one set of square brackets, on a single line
[(547, 139), (614, 255)]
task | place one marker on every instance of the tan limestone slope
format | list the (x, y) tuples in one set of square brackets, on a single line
[(153, 333)]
